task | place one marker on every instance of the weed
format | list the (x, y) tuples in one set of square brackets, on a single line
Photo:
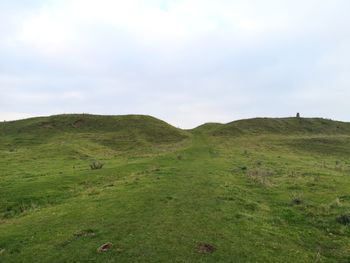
[(336, 203), (244, 168), (258, 163), (259, 176), (96, 165), (296, 199), (343, 219)]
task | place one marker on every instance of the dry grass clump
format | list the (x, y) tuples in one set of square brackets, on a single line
[(260, 176)]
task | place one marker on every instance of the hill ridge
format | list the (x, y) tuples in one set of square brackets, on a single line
[(111, 123), (287, 125)]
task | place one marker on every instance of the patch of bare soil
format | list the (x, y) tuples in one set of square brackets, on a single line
[(105, 247), (204, 248)]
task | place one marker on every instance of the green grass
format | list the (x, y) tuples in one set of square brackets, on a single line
[(163, 191)]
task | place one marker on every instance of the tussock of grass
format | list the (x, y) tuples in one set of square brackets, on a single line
[(260, 176), (96, 165)]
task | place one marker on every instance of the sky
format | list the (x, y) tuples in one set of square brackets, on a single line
[(184, 61)]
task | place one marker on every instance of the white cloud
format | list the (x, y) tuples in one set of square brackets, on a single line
[(187, 61), (59, 26), (44, 33)]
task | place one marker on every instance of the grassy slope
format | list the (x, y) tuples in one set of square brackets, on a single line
[(287, 126), (162, 190)]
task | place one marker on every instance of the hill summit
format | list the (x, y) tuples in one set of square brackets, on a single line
[(281, 126)]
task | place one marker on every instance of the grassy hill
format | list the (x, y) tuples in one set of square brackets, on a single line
[(130, 127), (259, 190), (284, 126)]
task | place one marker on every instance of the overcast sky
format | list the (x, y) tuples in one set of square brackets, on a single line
[(184, 61)]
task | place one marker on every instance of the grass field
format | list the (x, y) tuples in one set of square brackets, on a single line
[(259, 190)]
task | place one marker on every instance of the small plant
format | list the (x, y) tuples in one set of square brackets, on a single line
[(336, 203), (338, 165), (96, 165), (93, 191), (292, 174), (296, 199), (258, 163), (343, 219), (244, 168), (259, 176)]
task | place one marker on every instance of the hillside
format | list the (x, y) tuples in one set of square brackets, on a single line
[(146, 127), (258, 190), (75, 131), (282, 126)]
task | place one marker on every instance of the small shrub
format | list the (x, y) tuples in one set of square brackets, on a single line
[(338, 166), (343, 219), (292, 174), (296, 199), (336, 203), (96, 165), (244, 168), (258, 163)]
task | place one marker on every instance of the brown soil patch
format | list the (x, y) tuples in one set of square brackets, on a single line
[(204, 248), (104, 247)]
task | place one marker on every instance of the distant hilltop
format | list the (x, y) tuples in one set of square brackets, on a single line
[(152, 127)]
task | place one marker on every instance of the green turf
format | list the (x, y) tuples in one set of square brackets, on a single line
[(260, 190)]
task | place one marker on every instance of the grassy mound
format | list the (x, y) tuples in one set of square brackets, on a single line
[(147, 127), (283, 126), (120, 133)]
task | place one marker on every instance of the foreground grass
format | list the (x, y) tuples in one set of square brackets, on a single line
[(158, 202)]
